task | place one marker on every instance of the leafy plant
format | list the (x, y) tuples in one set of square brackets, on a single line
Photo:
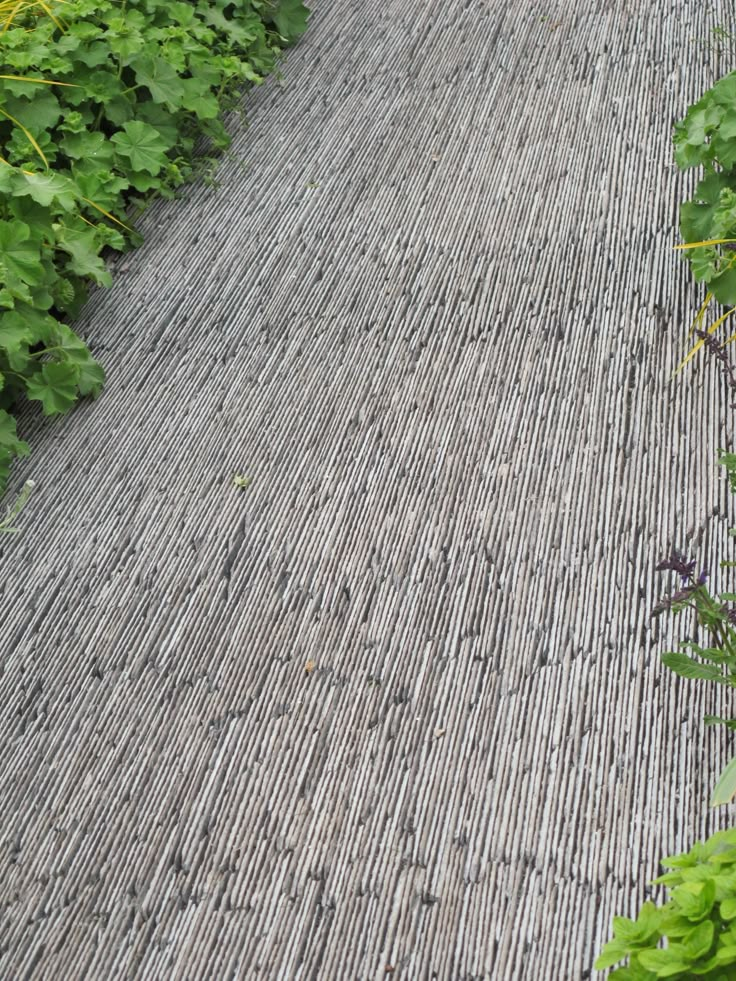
[(698, 920), (101, 105), (706, 138), (11, 513), (714, 661)]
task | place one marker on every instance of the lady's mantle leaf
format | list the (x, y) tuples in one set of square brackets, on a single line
[(21, 256), (83, 146), (290, 18), (45, 188), (142, 145), (161, 80), (55, 386), (90, 374), (100, 186), (15, 338), (38, 109), (82, 245)]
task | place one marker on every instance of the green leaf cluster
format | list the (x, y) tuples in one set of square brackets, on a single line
[(706, 138), (136, 85), (693, 934)]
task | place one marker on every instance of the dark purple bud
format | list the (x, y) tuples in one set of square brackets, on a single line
[(671, 601), (679, 564)]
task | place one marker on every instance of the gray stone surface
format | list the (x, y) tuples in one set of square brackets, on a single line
[(397, 704)]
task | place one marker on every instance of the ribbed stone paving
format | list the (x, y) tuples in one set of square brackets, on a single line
[(395, 708)]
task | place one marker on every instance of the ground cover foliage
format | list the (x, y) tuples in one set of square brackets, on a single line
[(692, 934), (698, 920), (101, 105)]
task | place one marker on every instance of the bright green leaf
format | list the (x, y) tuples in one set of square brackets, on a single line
[(47, 187), (89, 145), (613, 952), (695, 899), (688, 667), (664, 963), (70, 347), (20, 254), (142, 145), (81, 245), (290, 18), (55, 386), (38, 109), (728, 908), (161, 80), (726, 955), (699, 941)]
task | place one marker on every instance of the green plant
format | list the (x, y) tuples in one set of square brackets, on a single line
[(714, 661), (721, 41), (706, 137), (698, 921), (133, 85), (11, 513)]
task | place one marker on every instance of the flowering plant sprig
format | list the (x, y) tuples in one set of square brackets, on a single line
[(715, 662)]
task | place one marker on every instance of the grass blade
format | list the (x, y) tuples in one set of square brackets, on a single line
[(28, 134), (710, 241), (711, 330), (699, 315), (39, 81)]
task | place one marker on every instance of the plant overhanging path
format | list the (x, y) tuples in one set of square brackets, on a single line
[(390, 699)]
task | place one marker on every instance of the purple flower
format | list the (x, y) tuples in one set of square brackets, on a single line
[(679, 564), (717, 351)]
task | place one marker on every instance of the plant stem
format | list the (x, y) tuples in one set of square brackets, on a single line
[(13, 512)]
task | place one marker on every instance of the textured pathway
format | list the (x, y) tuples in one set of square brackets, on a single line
[(395, 708)]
